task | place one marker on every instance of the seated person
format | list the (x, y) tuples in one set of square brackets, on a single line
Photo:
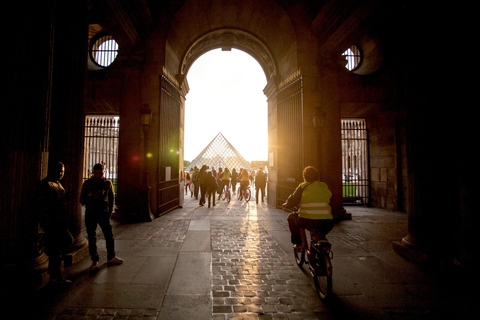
[(312, 197)]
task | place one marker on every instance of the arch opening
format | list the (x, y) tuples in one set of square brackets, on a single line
[(226, 96)]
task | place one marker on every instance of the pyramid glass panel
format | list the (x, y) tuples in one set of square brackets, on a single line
[(219, 153)]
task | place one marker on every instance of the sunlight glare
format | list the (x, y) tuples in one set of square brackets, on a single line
[(226, 95)]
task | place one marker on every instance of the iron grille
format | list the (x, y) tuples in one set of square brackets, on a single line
[(290, 136), (104, 51), (353, 57), (168, 167), (355, 168), (101, 146)]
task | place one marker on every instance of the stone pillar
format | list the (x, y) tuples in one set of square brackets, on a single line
[(68, 103), (131, 154), (322, 127), (25, 84)]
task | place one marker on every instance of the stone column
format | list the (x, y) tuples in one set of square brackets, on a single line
[(322, 127), (131, 154), (26, 84), (68, 102)]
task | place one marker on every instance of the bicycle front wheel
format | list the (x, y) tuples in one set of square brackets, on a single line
[(228, 195), (321, 269)]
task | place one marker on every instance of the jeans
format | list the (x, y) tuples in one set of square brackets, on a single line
[(262, 190), (92, 219), (211, 196)]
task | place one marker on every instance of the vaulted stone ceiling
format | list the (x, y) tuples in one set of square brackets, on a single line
[(333, 21)]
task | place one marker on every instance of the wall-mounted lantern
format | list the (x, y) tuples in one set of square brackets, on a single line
[(145, 117)]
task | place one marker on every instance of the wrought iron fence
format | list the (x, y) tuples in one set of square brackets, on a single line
[(355, 164), (290, 137), (101, 146)]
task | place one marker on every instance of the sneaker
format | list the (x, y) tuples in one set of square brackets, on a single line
[(115, 261), (93, 266)]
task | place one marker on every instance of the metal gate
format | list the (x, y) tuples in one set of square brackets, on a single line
[(168, 196), (101, 146), (355, 164), (290, 137)]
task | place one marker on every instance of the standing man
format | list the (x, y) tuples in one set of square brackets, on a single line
[(196, 186), (51, 201), (98, 197), (260, 183)]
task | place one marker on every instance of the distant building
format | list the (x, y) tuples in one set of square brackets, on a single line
[(219, 153)]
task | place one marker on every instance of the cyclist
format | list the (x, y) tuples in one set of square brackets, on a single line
[(226, 178), (244, 181), (312, 197)]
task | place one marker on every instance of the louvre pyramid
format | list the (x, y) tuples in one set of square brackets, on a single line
[(219, 153)]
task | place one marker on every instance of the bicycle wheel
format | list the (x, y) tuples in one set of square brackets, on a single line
[(248, 194), (321, 270), (223, 195), (228, 195)]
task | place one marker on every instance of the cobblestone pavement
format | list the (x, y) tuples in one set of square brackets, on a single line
[(252, 276), (234, 261)]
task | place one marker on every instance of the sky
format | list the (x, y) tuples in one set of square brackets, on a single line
[(226, 95)]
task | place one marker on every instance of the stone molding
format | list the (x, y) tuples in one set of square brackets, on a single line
[(228, 39)]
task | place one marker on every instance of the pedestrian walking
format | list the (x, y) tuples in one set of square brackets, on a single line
[(203, 182), (188, 180), (260, 183), (234, 180), (211, 188)]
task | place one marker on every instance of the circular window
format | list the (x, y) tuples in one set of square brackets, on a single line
[(104, 51), (353, 57)]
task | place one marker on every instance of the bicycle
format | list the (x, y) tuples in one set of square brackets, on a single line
[(226, 195), (244, 193), (319, 255)]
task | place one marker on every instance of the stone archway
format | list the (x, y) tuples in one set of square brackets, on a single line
[(226, 39)]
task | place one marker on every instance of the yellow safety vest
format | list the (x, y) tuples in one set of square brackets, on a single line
[(315, 202), (226, 175)]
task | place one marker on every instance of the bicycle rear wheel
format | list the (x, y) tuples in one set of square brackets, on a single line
[(248, 194), (321, 270)]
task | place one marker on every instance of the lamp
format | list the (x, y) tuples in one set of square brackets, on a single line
[(145, 117)]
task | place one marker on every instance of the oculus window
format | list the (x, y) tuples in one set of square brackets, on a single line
[(104, 51), (353, 57)]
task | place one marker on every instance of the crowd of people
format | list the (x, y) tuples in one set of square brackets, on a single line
[(205, 183)]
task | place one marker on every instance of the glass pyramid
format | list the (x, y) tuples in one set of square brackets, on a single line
[(219, 153)]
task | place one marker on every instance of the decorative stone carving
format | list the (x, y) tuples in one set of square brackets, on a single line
[(227, 39)]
